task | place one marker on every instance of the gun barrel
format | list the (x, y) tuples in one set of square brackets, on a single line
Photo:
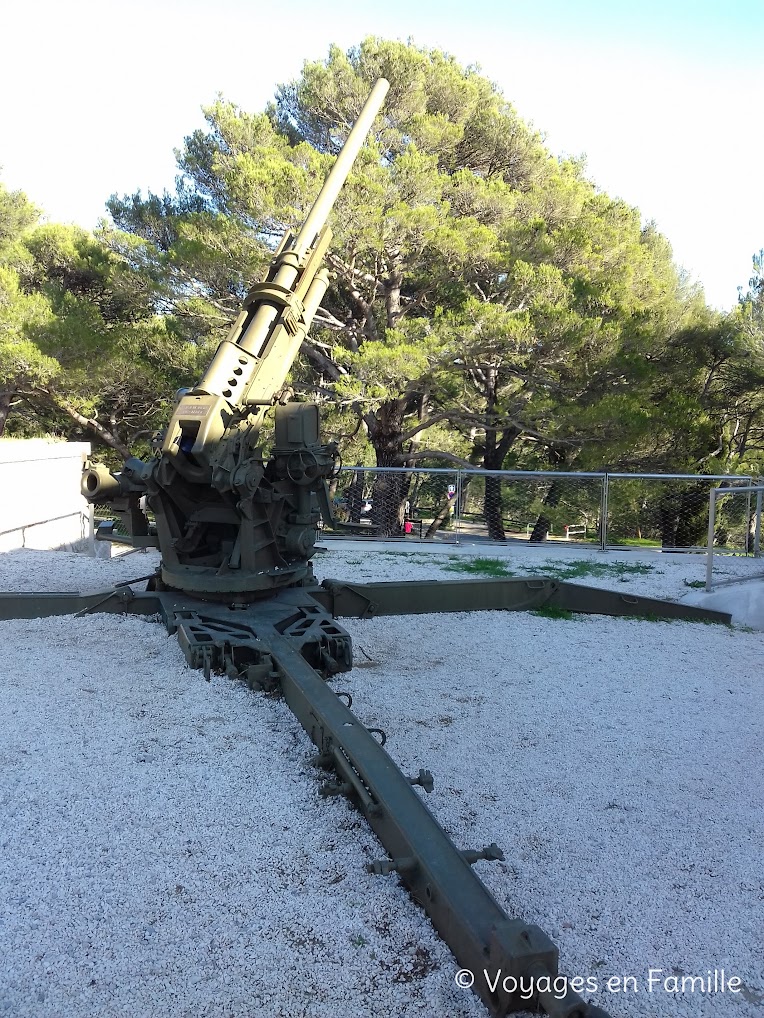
[(250, 365), (98, 482), (339, 172)]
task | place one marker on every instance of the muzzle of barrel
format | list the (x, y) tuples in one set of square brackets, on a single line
[(99, 484)]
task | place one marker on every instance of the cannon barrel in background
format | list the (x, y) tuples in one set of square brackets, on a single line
[(99, 483)]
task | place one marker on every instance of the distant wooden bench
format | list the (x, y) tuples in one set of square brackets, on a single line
[(574, 530)]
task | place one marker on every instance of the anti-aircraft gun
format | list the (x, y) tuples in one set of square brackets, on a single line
[(236, 532), (228, 521)]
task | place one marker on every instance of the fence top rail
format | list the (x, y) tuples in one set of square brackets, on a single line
[(400, 470), (41, 523), (472, 471), (531, 473), (718, 492), (682, 477)]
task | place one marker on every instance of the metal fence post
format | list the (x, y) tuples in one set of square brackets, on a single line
[(458, 506), (757, 526), (91, 530), (603, 513), (711, 529)]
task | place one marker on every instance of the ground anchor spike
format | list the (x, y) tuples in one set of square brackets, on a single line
[(324, 760), (383, 867), (490, 852), (332, 788), (425, 779)]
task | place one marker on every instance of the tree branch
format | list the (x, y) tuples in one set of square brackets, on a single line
[(407, 457), (89, 423), (325, 364)]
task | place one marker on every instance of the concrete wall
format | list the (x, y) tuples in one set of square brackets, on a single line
[(40, 501)]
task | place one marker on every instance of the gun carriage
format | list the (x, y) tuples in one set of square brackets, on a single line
[(237, 529)]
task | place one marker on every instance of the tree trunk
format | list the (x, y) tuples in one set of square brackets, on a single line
[(442, 517), (492, 511), (543, 524), (492, 460), (354, 496), (464, 492), (392, 287), (496, 449), (6, 396), (540, 532), (683, 517), (390, 490)]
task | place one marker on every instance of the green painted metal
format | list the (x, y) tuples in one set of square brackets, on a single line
[(418, 597), (227, 519), (117, 601)]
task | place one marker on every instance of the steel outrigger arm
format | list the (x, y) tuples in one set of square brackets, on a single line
[(412, 597), (417, 597)]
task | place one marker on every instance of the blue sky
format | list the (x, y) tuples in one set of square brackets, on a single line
[(660, 96)]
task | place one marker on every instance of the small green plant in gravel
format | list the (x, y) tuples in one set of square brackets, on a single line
[(551, 611), (480, 566), (694, 583), (586, 567), (558, 571)]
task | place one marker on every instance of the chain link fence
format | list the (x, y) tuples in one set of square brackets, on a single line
[(661, 511), (613, 511), (734, 532), (391, 502), (667, 512), (103, 512), (532, 506)]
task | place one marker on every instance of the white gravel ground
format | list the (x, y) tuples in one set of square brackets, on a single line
[(164, 849)]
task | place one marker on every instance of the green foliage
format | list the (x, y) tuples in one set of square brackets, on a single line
[(479, 566), (83, 352), (384, 369), (553, 611), (580, 568), (24, 315)]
